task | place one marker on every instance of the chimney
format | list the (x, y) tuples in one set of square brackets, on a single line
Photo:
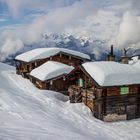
[(124, 59), (111, 50), (111, 56)]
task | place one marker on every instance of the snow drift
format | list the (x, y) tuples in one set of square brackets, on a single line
[(27, 113)]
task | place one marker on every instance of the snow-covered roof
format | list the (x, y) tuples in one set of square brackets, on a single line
[(136, 53), (51, 69), (41, 53), (107, 73)]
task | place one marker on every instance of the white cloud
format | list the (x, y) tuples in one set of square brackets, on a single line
[(101, 21), (55, 21), (129, 31), (17, 7), (9, 47), (14, 6), (136, 5), (64, 17)]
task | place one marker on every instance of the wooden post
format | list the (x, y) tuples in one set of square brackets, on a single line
[(99, 104), (100, 110), (86, 97), (71, 96)]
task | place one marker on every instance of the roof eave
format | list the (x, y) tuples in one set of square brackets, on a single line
[(48, 80)]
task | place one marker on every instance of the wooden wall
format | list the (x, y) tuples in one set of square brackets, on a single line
[(59, 85), (77, 93), (88, 98), (110, 105), (67, 59), (112, 91), (24, 67), (39, 84), (77, 74)]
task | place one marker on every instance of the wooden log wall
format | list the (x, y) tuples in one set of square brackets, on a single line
[(22, 67), (126, 104), (59, 85), (78, 74), (88, 98), (39, 84), (75, 94), (69, 60), (99, 104), (112, 91), (38, 63), (66, 59), (109, 105)]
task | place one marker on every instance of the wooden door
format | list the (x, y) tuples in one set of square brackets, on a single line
[(131, 112), (28, 68)]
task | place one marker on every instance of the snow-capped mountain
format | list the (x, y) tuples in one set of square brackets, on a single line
[(95, 48), (83, 44)]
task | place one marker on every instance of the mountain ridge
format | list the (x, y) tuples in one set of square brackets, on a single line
[(95, 48)]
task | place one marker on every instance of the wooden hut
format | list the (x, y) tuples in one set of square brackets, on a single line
[(136, 55), (51, 75), (110, 89), (30, 60)]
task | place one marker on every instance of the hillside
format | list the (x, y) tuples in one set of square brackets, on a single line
[(27, 113)]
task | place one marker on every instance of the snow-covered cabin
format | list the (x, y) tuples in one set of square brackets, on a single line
[(110, 89), (27, 61), (51, 75), (136, 53), (135, 56)]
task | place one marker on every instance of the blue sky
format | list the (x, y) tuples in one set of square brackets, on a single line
[(24, 21), (26, 13)]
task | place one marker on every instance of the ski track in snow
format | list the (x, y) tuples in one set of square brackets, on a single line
[(27, 113)]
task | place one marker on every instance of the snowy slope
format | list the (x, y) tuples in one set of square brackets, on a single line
[(27, 113)]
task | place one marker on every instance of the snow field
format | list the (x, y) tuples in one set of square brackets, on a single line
[(27, 113)]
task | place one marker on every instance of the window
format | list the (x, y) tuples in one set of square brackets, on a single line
[(35, 63), (81, 82), (124, 90)]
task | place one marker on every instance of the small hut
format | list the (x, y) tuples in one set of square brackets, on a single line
[(30, 60), (136, 53), (110, 89), (51, 75)]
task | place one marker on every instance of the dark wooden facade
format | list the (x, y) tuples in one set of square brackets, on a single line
[(24, 68), (106, 103), (59, 84), (110, 105)]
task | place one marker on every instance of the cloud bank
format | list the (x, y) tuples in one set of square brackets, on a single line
[(114, 22), (18, 7), (129, 31), (9, 47)]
